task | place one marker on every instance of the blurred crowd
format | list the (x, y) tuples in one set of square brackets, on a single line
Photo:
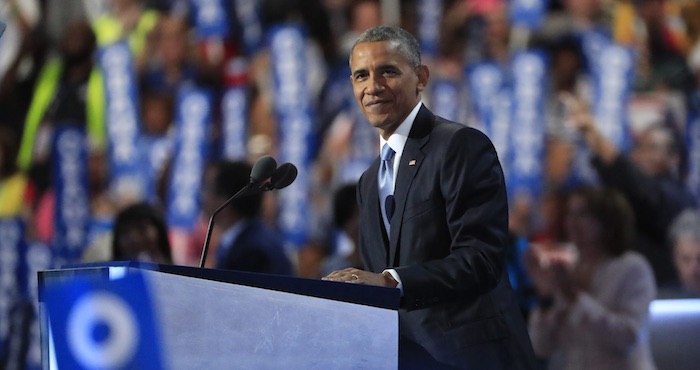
[(624, 234)]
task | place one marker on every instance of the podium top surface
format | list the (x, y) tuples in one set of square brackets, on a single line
[(368, 295)]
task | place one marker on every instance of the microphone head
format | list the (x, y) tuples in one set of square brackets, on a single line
[(284, 176), (262, 170)]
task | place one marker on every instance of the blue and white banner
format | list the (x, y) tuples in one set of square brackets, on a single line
[(693, 144), (234, 123), (491, 106), (72, 210), (527, 13), (611, 74), (429, 24), (36, 257), (446, 99), (129, 175), (612, 84), (19, 264), (156, 151), (528, 129), (211, 18), (11, 240), (365, 146), (484, 82), (295, 115), (248, 14), (98, 324), (365, 139), (193, 118), (593, 42), (499, 130)]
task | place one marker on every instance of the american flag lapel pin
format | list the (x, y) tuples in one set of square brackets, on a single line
[(412, 162)]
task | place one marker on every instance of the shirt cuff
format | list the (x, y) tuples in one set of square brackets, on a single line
[(396, 277)]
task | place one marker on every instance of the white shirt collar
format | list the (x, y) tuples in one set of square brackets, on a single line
[(397, 140)]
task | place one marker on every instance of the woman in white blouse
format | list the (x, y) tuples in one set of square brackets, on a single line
[(595, 294)]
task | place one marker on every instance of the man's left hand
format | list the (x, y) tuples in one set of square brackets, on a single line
[(357, 276)]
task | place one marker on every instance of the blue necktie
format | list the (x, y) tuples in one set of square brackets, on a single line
[(386, 185)]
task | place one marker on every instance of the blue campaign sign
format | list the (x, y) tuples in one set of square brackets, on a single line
[(248, 16), (296, 121), (529, 71), (429, 22), (484, 80), (72, 211), (11, 232), (527, 13), (211, 18), (234, 123), (446, 98), (129, 176), (194, 112), (100, 324)]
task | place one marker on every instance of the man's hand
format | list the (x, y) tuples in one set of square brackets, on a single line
[(357, 276)]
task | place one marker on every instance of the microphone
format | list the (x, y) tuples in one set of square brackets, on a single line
[(263, 169), (281, 178)]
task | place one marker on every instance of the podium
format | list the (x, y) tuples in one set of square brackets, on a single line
[(218, 319)]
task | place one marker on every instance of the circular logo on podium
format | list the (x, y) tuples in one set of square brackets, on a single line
[(102, 331)]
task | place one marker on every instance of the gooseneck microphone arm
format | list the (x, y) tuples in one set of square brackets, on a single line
[(262, 170), (205, 249)]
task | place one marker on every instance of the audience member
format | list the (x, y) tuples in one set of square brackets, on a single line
[(662, 49), (20, 17), (140, 234), (245, 242), (23, 49), (68, 91), (684, 236), (346, 222), (170, 63), (648, 178), (15, 191), (595, 294), (158, 136), (128, 20)]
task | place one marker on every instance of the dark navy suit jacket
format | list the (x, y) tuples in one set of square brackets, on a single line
[(448, 246)]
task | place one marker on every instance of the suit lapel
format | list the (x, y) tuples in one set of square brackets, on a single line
[(411, 160)]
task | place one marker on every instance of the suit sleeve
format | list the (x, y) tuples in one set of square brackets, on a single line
[(472, 185)]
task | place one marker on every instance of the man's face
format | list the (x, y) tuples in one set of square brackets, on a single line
[(387, 87), (687, 260)]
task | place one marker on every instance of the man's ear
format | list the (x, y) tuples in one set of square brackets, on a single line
[(423, 74)]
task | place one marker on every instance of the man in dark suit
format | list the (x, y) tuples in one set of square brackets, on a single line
[(246, 243), (438, 230)]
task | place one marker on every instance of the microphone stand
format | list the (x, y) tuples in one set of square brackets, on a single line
[(280, 178), (211, 222)]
